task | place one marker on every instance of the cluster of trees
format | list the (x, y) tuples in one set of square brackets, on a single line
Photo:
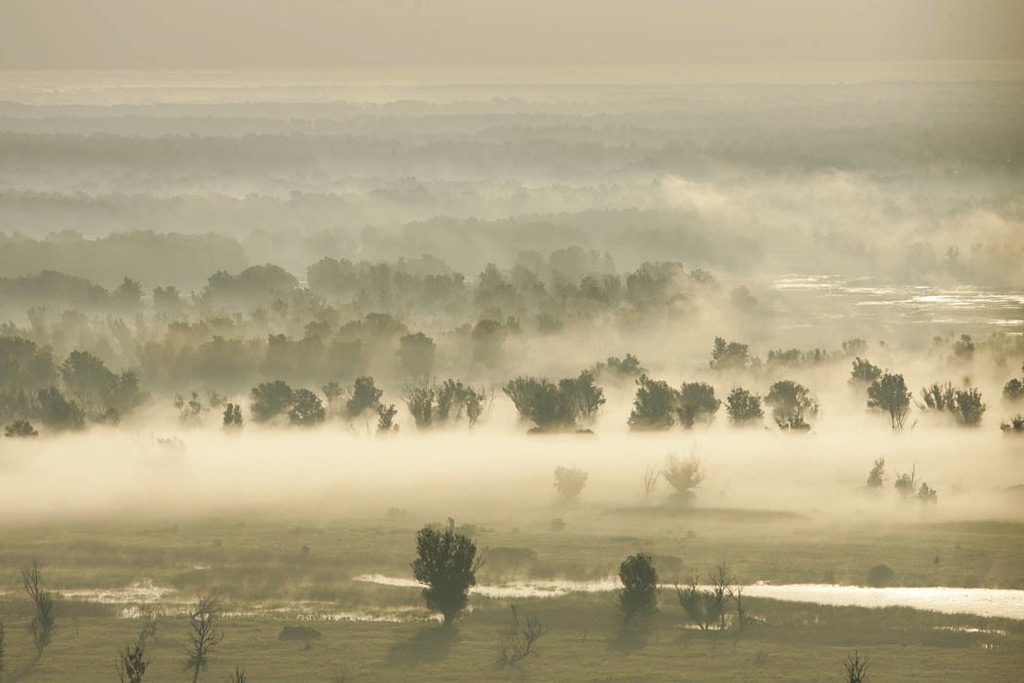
[(34, 387), (447, 403), (658, 406), (304, 407), (569, 405)]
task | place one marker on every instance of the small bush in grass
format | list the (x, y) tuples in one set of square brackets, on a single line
[(880, 575)]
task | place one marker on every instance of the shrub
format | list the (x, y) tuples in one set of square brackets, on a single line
[(44, 616), (876, 477), (1014, 426), (518, 639), (299, 633), (20, 429), (683, 476), (570, 482), (880, 575)]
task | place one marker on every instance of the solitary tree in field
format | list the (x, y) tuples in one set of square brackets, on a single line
[(44, 618), (570, 482), (203, 635), (639, 594), (131, 663), (856, 668), (446, 562), (518, 639), (889, 393)]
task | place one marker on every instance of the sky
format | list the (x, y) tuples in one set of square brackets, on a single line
[(277, 34)]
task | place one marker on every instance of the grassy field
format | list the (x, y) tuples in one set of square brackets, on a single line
[(260, 565)]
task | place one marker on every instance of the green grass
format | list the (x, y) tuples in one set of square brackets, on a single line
[(259, 561)]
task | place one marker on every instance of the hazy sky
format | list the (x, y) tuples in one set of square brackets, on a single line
[(169, 34)]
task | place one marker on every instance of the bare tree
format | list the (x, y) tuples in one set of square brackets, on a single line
[(649, 482), (518, 638), (44, 619), (856, 668), (131, 662), (203, 635), (238, 676)]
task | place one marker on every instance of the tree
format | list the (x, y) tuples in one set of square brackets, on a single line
[(386, 419), (965, 405), (203, 635), (364, 397), (791, 405), (307, 409), (876, 477), (905, 483), (649, 482), (696, 403), (232, 416), (582, 397), (518, 638), (926, 494), (705, 607), (131, 663), (446, 563), (744, 407), (553, 408), (44, 618), (20, 429), (1014, 389), (639, 594), (270, 399), (889, 393), (420, 402), (729, 356), (56, 412), (654, 405), (855, 668), (570, 482), (417, 351), (864, 372)]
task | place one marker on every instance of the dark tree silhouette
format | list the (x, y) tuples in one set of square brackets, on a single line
[(203, 635), (889, 394), (44, 617), (654, 405), (744, 407), (696, 403), (307, 409), (446, 562), (270, 399), (791, 405), (20, 429), (639, 594)]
